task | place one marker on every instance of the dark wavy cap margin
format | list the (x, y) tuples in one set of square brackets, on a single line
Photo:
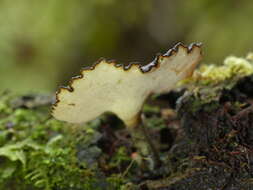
[(143, 68)]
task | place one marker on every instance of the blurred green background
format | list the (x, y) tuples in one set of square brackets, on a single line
[(44, 43)]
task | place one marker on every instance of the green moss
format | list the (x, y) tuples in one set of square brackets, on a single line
[(150, 109), (120, 158), (39, 152)]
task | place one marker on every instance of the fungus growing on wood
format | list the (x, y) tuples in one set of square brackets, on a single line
[(122, 90)]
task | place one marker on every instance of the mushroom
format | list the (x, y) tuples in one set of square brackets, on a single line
[(122, 90)]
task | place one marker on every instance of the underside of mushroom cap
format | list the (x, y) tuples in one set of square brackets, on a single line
[(122, 90)]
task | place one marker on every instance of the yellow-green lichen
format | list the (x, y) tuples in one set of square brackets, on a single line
[(232, 68), (208, 82)]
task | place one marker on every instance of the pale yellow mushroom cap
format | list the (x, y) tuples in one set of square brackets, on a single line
[(122, 90)]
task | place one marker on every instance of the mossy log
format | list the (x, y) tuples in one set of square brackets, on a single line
[(203, 132)]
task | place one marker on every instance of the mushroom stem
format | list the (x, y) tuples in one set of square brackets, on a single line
[(143, 142)]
